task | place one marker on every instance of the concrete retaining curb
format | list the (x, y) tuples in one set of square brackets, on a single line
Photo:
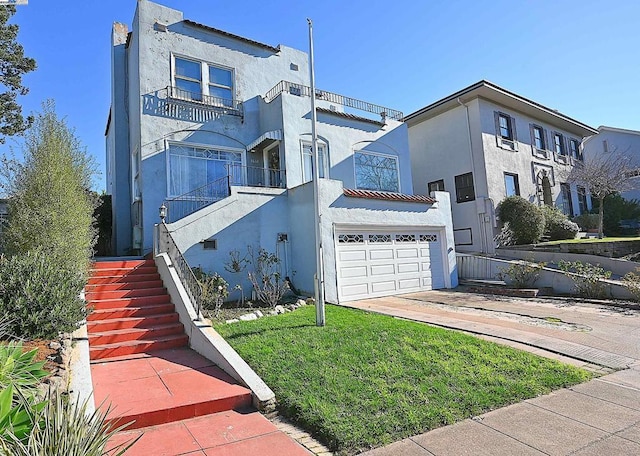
[(80, 384)]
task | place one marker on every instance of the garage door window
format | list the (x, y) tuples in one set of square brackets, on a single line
[(428, 238), (379, 238), (405, 238), (350, 239)]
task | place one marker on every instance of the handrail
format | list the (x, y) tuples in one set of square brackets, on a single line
[(164, 243), (209, 101), (305, 91), (194, 200)]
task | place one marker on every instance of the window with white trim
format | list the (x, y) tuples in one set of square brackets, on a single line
[(376, 171), (202, 81), (190, 167), (558, 144), (307, 161), (574, 149), (505, 127)]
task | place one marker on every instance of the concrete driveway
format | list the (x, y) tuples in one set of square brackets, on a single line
[(599, 417)]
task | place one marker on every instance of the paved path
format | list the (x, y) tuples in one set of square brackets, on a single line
[(598, 417)]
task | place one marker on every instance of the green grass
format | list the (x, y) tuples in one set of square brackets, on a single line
[(578, 241), (367, 380)]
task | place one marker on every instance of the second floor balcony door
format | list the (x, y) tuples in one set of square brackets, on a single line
[(273, 175)]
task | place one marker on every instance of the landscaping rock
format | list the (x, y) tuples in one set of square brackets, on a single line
[(55, 345), (287, 310), (301, 302), (233, 320), (279, 309), (258, 314), (273, 312), (248, 317)]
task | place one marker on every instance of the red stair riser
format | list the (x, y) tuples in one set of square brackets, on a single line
[(116, 294), (123, 350), (129, 279), (127, 312), (129, 334), (183, 412), (122, 272), (130, 302), (149, 321), (122, 264), (96, 287)]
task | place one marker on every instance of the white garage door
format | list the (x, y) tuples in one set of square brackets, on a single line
[(373, 263)]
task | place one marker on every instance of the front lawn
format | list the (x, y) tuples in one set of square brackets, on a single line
[(366, 380)]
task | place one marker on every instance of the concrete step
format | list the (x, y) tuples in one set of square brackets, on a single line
[(128, 279), (122, 272), (117, 294), (140, 301), (148, 321), (115, 336), (99, 352), (123, 264), (96, 287), (131, 311)]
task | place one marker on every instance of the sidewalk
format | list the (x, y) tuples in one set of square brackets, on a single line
[(601, 417), (598, 417)]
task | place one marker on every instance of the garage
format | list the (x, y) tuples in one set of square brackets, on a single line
[(373, 263)]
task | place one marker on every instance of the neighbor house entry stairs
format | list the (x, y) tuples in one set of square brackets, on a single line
[(141, 365)]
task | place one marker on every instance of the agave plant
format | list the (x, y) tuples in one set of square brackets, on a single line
[(17, 421), (19, 371), (66, 429)]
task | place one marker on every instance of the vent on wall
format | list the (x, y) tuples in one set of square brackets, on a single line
[(210, 244)]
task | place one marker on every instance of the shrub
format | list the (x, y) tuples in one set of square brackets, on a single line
[(505, 237), (587, 222), (631, 280), (587, 278), (557, 226), (214, 289), (525, 219), (39, 298), (521, 274), (265, 277), (616, 208)]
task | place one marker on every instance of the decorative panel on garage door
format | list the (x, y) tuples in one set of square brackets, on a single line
[(374, 263)]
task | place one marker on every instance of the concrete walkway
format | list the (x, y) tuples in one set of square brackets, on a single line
[(598, 417)]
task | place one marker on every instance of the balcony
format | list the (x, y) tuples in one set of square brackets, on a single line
[(248, 176), (177, 97), (333, 98)]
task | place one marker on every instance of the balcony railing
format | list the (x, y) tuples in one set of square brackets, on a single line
[(353, 103), (202, 101), (237, 175)]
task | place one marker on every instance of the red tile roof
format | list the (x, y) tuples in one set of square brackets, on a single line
[(388, 196)]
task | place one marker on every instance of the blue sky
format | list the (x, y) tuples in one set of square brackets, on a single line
[(580, 57)]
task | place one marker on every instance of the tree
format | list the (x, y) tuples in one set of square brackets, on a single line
[(50, 205), (13, 65), (603, 176)]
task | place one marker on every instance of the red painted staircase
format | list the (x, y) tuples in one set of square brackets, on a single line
[(181, 403), (132, 312)]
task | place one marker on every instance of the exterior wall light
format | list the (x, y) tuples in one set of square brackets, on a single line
[(163, 212)]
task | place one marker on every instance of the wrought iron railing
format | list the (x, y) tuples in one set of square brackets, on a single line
[(164, 243), (202, 100), (190, 202), (253, 176), (305, 91)]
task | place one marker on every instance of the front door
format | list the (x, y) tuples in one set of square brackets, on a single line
[(273, 175)]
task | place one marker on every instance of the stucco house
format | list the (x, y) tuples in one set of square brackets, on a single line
[(611, 143), (485, 143), (217, 127)]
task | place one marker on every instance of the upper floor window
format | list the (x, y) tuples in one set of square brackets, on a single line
[(574, 149), (376, 171), (558, 144), (201, 81), (436, 186), (511, 185), (506, 127), (307, 161), (464, 188), (538, 138)]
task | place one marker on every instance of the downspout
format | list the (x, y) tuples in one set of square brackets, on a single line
[(483, 235)]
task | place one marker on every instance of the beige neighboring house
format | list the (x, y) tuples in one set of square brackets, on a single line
[(485, 143)]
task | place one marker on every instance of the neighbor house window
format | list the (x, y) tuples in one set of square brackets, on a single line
[(201, 81), (582, 200), (511, 185), (574, 149), (505, 127), (192, 167), (558, 144), (538, 138), (376, 171), (436, 186), (307, 161), (567, 203), (464, 188)]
